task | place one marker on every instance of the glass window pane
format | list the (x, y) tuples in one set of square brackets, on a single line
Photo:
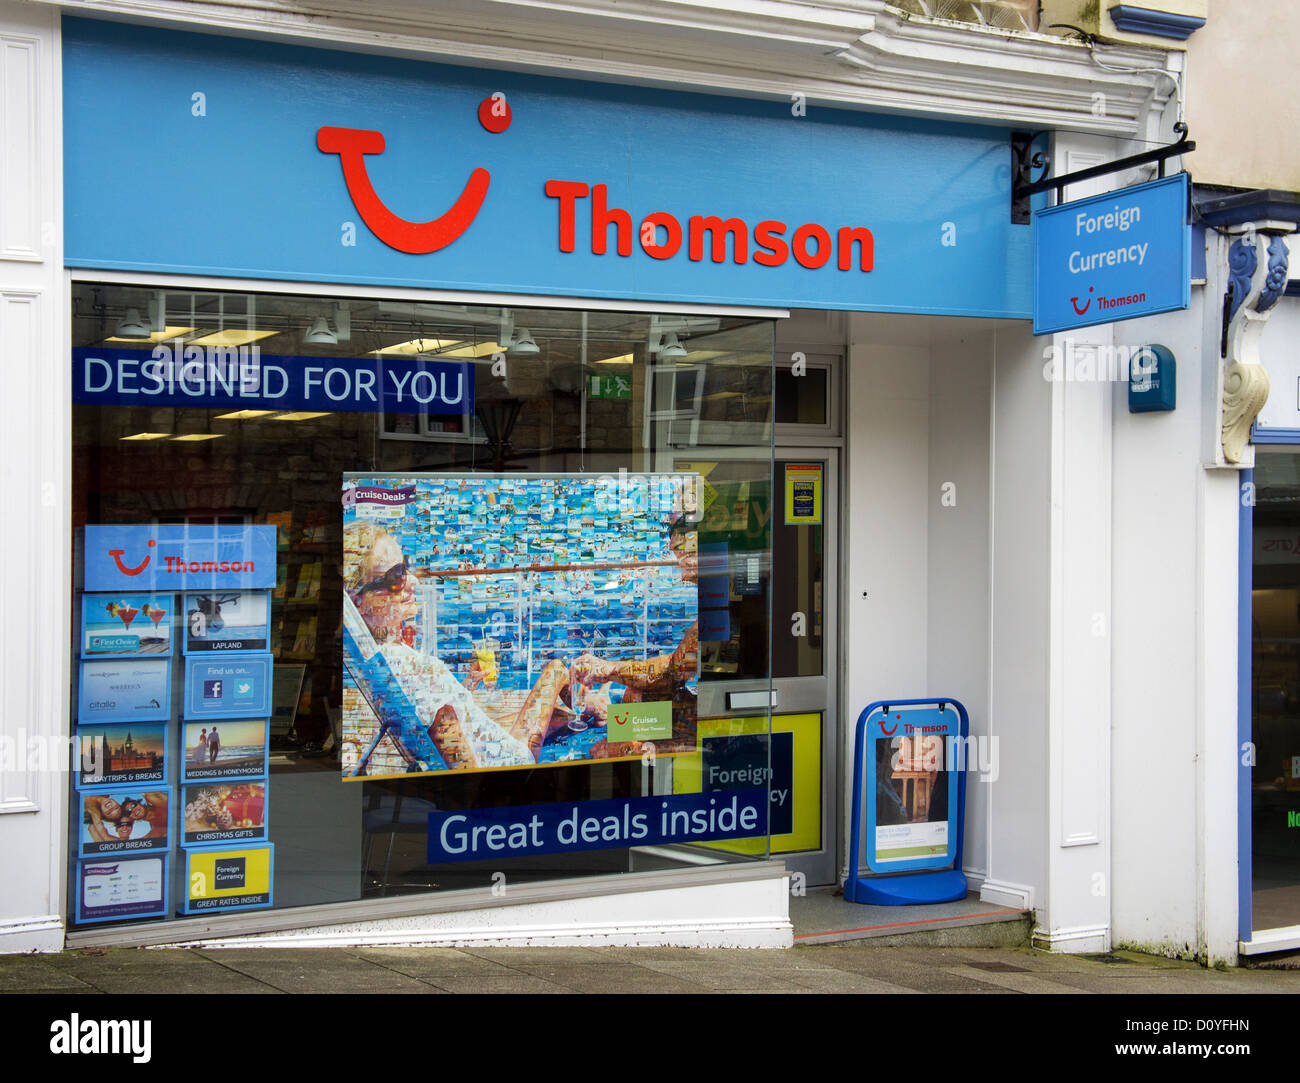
[(488, 587)]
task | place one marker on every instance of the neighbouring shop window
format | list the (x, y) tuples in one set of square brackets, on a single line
[(1275, 691), (346, 569)]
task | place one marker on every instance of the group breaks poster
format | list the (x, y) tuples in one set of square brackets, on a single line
[(517, 621)]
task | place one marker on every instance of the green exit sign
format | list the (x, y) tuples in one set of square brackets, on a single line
[(609, 387)]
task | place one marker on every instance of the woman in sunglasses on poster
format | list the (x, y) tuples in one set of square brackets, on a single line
[(380, 585)]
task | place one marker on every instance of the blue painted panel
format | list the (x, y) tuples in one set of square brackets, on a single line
[(244, 190), (1111, 257)]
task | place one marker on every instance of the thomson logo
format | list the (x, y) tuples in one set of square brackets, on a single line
[(112, 1036)]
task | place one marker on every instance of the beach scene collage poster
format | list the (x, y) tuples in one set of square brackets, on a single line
[(497, 621)]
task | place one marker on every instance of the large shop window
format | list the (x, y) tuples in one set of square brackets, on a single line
[(375, 598)]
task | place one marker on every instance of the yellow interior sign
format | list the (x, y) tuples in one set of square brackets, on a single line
[(220, 874), (803, 783), (803, 494)]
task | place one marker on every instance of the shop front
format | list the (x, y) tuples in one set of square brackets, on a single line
[(491, 496)]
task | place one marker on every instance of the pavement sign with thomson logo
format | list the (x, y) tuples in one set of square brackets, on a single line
[(1112, 257)]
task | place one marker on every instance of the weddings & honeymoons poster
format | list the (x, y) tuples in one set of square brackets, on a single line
[(517, 621)]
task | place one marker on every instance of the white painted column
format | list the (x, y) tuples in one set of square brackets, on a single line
[(35, 451)]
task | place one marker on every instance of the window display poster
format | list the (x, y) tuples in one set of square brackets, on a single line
[(229, 879), (911, 806), (237, 748), (123, 820), (508, 621), (237, 687), (224, 812), (126, 625), (121, 754), (116, 890), (228, 621), (127, 690), (803, 494)]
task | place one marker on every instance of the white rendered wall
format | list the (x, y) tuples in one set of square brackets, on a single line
[(959, 548), (1018, 803), (916, 569), (1175, 759), (34, 451)]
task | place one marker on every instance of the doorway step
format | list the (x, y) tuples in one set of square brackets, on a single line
[(823, 916)]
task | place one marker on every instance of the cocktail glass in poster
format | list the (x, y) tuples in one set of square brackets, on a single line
[(126, 625), (517, 621)]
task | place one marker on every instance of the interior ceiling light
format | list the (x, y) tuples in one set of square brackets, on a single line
[(148, 436), (132, 327), (624, 359), (195, 437), (300, 415), (243, 415), (319, 333), (232, 336), (165, 335), (522, 343), (672, 349)]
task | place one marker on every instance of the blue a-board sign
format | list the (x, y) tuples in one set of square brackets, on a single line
[(1112, 257), (178, 556), (911, 807)]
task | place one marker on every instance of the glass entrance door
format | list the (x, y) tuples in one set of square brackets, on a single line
[(804, 661)]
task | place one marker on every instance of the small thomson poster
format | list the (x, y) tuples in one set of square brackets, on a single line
[(912, 810), (517, 621)]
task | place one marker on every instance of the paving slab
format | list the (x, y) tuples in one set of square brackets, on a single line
[(32, 974), (338, 973), (611, 978)]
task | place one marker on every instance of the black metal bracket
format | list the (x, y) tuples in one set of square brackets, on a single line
[(1021, 189), (1023, 163)]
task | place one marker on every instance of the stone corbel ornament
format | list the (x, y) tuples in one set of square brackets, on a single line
[(1257, 275)]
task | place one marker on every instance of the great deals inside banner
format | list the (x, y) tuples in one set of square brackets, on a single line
[(497, 622)]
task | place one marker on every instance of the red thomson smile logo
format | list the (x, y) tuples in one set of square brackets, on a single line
[(889, 732), (1075, 302), (417, 238), (116, 554)]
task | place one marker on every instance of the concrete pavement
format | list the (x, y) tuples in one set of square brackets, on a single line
[(855, 967)]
